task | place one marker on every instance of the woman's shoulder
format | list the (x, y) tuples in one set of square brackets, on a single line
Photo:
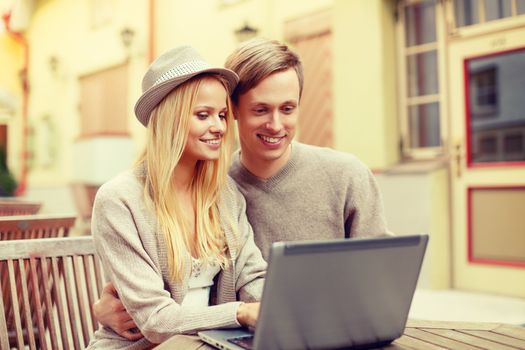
[(126, 184), (231, 199), (230, 189)]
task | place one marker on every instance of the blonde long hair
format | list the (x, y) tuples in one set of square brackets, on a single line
[(167, 135)]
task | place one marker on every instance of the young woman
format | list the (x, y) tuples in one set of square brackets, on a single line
[(172, 233)]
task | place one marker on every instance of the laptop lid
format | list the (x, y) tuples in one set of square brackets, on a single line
[(338, 293), (335, 294)]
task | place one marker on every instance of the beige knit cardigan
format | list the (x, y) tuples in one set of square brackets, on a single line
[(134, 257)]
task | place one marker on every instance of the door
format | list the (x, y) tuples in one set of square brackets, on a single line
[(487, 125), (311, 38)]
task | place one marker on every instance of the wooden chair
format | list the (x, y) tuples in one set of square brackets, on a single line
[(84, 196), (52, 285), (18, 207), (35, 226)]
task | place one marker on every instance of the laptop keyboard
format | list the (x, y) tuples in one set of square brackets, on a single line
[(245, 341)]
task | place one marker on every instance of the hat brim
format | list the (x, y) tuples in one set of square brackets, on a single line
[(152, 97)]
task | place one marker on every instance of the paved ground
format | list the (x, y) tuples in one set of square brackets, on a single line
[(452, 305)]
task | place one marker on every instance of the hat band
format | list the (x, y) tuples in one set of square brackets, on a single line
[(181, 70)]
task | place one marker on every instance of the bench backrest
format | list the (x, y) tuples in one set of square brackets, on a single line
[(17, 207), (35, 226), (51, 286)]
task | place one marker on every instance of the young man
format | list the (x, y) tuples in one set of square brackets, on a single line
[(293, 191)]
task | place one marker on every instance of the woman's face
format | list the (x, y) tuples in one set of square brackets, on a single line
[(207, 123)]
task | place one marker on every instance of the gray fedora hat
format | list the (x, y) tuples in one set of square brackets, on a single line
[(168, 71)]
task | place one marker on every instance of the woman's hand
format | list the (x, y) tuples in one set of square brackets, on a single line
[(110, 312), (247, 314)]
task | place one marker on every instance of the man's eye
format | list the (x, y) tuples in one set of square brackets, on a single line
[(260, 110), (288, 109)]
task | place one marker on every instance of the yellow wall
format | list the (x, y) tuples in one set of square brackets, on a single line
[(210, 27), (364, 110), (364, 86), (65, 29), (439, 252), (11, 61)]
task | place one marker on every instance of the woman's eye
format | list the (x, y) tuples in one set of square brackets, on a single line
[(202, 116), (223, 115)]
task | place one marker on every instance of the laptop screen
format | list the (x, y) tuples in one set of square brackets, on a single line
[(351, 293), (337, 293)]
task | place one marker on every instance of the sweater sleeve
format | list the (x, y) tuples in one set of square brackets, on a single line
[(364, 214), (250, 265), (137, 278)]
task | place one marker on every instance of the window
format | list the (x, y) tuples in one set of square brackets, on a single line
[(484, 92), (104, 103), (423, 27), (421, 100), (473, 12), (514, 144), (493, 78), (487, 145)]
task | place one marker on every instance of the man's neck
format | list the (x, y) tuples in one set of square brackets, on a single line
[(265, 169)]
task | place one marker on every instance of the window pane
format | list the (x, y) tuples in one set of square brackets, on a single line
[(514, 143), (422, 74), (496, 9), (484, 92), (497, 107), (420, 23), (466, 12), (520, 4), (424, 125)]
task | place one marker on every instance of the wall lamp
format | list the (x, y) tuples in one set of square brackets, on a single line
[(245, 32)]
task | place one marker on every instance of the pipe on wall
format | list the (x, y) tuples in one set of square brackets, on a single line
[(151, 44)]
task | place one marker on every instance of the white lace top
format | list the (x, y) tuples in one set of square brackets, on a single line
[(199, 284)]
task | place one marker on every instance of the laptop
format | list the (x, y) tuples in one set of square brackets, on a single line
[(346, 293)]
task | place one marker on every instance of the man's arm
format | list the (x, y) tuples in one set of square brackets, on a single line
[(110, 312), (365, 214)]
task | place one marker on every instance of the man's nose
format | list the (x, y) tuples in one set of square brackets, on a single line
[(275, 124)]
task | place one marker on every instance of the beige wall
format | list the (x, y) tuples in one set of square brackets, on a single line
[(363, 82), (363, 77), (11, 58), (417, 201), (65, 29), (11, 61), (364, 85), (210, 27)]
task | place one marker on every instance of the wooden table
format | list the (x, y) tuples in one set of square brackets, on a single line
[(430, 335), (460, 335)]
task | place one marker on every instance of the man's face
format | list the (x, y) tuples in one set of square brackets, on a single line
[(266, 116)]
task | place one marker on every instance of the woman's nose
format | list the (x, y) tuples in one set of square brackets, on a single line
[(218, 125)]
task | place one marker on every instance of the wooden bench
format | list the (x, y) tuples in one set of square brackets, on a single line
[(35, 226), (18, 207), (51, 286)]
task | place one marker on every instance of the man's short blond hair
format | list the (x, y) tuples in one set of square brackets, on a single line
[(256, 59)]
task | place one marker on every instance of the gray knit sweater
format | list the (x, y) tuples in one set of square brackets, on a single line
[(319, 194), (134, 257)]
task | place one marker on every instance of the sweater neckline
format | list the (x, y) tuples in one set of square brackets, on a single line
[(278, 176)]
